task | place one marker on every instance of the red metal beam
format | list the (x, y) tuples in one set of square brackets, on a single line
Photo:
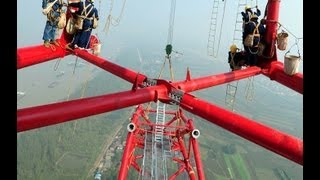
[(269, 138), (29, 56), (124, 73), (276, 72), (186, 159), (272, 27), (45, 115), (213, 80), (196, 153), (126, 156)]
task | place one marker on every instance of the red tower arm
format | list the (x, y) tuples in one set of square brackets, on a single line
[(213, 80), (50, 114), (276, 72), (274, 140), (29, 56)]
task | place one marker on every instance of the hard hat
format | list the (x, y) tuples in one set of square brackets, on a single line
[(253, 16), (233, 48), (247, 7)]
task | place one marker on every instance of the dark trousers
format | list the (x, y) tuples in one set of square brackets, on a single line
[(251, 55)]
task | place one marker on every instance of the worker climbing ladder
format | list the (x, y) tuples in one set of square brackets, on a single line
[(213, 41), (238, 27), (237, 40)]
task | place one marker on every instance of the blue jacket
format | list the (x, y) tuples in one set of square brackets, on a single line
[(246, 15), (55, 7), (53, 15), (87, 23)]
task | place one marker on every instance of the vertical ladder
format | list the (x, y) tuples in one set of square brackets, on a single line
[(238, 28), (159, 169), (160, 120), (212, 29), (231, 94), (249, 92), (237, 40)]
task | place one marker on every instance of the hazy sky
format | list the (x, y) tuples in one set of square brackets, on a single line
[(146, 21)]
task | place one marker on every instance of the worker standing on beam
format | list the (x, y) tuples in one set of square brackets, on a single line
[(52, 9), (84, 24)]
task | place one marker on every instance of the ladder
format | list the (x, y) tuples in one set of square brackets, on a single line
[(212, 29), (160, 120), (249, 92), (231, 94), (159, 168), (238, 27), (237, 40)]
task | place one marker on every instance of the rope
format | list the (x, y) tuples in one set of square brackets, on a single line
[(171, 21), (296, 39), (232, 61), (296, 43), (160, 74), (171, 69), (111, 20), (280, 25), (161, 70), (75, 64), (52, 47), (169, 42), (56, 65), (72, 79)]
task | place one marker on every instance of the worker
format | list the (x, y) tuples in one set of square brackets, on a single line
[(236, 58), (251, 33), (246, 15), (85, 13), (52, 9)]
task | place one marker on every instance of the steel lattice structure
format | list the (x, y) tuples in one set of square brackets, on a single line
[(147, 89)]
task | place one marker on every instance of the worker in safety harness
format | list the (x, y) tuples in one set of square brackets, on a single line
[(253, 29), (52, 9), (236, 58), (84, 23), (246, 15)]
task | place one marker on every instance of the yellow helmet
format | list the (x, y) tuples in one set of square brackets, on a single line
[(233, 48), (247, 7)]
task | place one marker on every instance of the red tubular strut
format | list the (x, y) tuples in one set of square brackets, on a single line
[(274, 140), (45, 115), (276, 72), (209, 81), (196, 153), (29, 56), (127, 154)]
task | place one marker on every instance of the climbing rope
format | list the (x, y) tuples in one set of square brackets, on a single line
[(168, 48), (56, 65), (72, 78), (85, 85), (111, 20)]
